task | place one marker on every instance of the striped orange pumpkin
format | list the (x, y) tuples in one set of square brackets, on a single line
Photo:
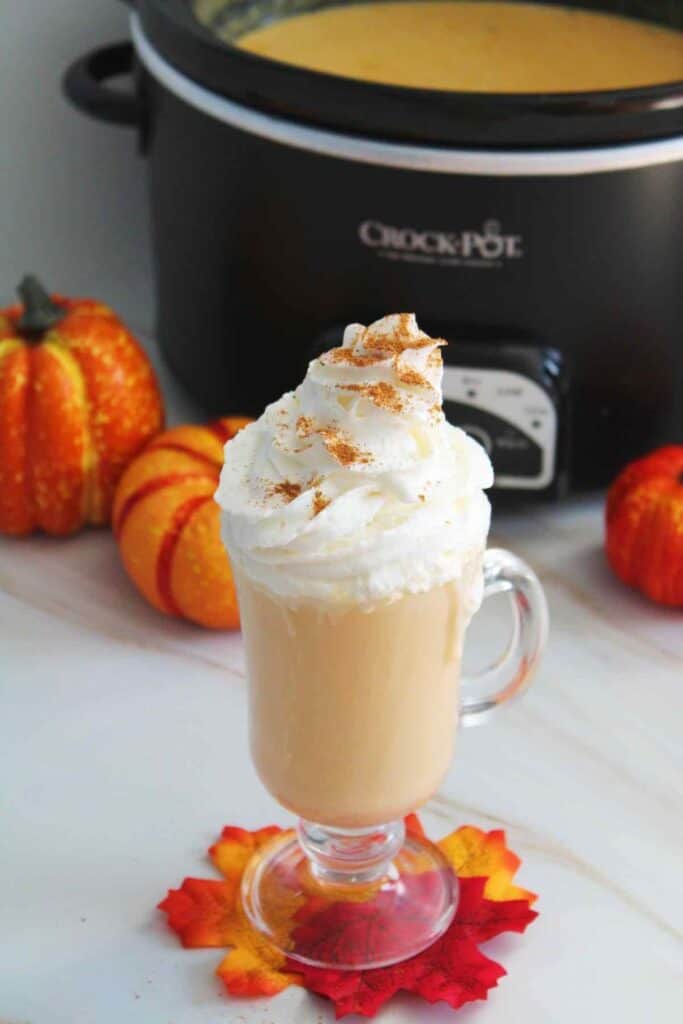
[(78, 399), (168, 525)]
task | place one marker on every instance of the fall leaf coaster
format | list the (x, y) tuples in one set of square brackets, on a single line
[(208, 912)]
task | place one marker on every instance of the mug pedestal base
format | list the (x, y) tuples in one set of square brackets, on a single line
[(312, 901)]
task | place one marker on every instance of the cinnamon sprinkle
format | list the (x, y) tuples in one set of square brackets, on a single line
[(349, 357), (401, 340), (335, 441), (341, 449), (381, 394), (305, 426), (288, 490), (396, 344), (407, 375), (320, 502)]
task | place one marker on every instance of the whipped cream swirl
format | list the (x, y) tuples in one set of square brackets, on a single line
[(354, 488)]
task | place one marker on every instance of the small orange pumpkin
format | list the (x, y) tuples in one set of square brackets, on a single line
[(645, 525), (78, 399), (168, 525)]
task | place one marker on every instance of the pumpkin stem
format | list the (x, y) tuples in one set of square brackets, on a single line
[(40, 312)]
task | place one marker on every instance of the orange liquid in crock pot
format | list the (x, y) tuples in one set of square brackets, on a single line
[(475, 46)]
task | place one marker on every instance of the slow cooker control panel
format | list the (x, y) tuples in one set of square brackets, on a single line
[(513, 412)]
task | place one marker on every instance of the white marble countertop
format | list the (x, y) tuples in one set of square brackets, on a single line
[(123, 751)]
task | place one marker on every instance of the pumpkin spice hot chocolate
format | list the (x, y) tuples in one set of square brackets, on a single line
[(356, 521), (354, 515)]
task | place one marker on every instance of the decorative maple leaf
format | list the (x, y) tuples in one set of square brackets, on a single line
[(343, 931), (208, 912), (476, 854), (236, 846), (414, 826), (480, 919), (201, 912), (253, 967), (452, 969), (455, 972)]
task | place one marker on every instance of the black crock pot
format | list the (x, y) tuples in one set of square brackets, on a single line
[(542, 234)]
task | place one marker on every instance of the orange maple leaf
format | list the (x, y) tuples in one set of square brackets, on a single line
[(253, 967), (236, 846), (474, 853), (206, 912), (201, 912)]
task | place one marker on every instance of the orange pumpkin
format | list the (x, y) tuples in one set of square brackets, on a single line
[(78, 399), (168, 525), (645, 525)]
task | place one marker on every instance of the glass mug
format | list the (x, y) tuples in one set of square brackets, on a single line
[(353, 715)]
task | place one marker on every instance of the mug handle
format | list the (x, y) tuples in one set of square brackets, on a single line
[(505, 573)]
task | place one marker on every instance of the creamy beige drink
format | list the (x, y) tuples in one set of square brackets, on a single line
[(356, 521), (348, 726)]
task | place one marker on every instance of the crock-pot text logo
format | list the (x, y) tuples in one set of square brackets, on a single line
[(487, 247)]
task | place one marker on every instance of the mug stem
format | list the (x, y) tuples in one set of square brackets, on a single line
[(350, 856)]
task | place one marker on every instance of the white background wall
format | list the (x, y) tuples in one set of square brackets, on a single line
[(72, 190)]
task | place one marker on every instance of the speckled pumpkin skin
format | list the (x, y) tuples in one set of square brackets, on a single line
[(644, 518), (168, 525), (75, 407)]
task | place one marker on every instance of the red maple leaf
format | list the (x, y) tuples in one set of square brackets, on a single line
[(480, 919), (201, 912), (455, 971), (363, 992), (347, 932), (452, 969)]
